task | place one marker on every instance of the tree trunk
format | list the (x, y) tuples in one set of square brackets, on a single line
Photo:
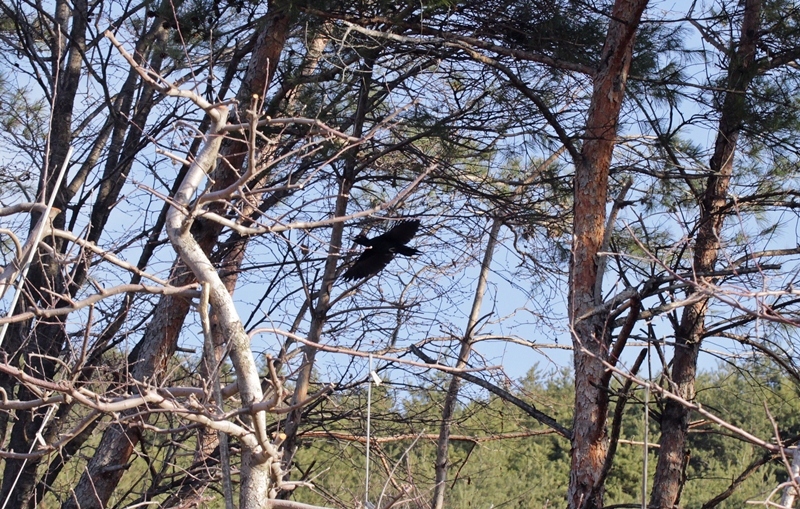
[(591, 334), (160, 338), (149, 357), (19, 477), (319, 311), (688, 337), (450, 400)]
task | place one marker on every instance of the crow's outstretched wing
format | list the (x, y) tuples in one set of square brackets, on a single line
[(401, 233), (368, 264)]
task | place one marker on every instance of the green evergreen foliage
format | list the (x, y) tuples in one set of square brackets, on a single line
[(22, 121), (498, 467)]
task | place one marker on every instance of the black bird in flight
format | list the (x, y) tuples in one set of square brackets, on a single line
[(382, 249)]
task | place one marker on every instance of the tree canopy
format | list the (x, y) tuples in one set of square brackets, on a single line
[(198, 201)]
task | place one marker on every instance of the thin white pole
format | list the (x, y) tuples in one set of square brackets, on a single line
[(18, 290), (37, 238), (37, 440), (646, 437), (369, 412)]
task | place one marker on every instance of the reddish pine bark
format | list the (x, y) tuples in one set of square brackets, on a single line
[(590, 334), (675, 419)]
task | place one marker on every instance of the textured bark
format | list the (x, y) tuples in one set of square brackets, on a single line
[(122, 152), (160, 338), (319, 311), (150, 357), (107, 466), (688, 337), (20, 477), (319, 316), (450, 400), (591, 334), (49, 338), (126, 136), (233, 253), (257, 475), (264, 60)]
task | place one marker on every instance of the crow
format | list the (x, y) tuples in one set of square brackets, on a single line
[(382, 249)]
